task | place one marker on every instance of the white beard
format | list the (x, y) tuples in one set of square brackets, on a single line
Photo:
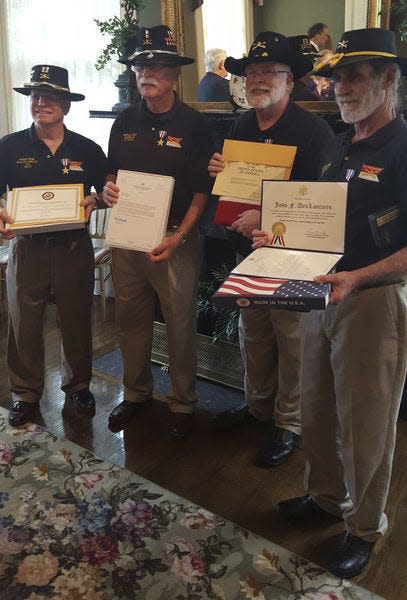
[(272, 96), (354, 113)]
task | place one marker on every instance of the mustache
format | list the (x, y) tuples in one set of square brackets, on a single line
[(256, 88), (147, 81), (344, 99)]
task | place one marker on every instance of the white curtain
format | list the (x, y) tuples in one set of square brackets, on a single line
[(60, 33)]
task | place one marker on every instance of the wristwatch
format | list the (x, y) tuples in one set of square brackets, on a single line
[(182, 235)]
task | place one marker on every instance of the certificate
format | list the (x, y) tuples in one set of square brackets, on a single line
[(305, 223), (46, 208), (305, 215), (287, 264), (247, 164), (138, 220)]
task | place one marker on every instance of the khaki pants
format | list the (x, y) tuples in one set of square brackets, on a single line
[(353, 367), (61, 264), (136, 281), (270, 346)]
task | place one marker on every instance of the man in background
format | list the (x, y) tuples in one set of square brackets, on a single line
[(60, 263), (214, 86), (318, 36)]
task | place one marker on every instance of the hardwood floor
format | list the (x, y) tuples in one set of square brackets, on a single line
[(213, 469)]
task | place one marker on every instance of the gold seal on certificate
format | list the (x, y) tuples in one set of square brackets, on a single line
[(39, 209)]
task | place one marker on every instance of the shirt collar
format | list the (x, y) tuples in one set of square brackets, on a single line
[(380, 137), (160, 117), (33, 137)]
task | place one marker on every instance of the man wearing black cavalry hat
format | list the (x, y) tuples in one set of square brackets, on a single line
[(269, 338), (60, 262), (161, 135), (354, 354)]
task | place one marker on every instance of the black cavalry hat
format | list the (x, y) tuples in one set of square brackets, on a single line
[(156, 45), (52, 78), (361, 45), (270, 47), (301, 43)]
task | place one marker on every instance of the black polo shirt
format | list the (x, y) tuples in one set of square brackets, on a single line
[(27, 161), (295, 127), (176, 143), (376, 169)]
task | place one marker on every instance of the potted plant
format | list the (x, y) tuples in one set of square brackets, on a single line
[(122, 32), (223, 322)]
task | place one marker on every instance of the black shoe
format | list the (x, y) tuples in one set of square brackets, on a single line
[(180, 425), (278, 448), (84, 402), (22, 412), (234, 417), (124, 412), (349, 556), (301, 510)]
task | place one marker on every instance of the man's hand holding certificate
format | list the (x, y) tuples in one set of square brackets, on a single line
[(139, 216), (246, 165)]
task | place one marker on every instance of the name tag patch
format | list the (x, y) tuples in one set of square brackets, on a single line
[(27, 161), (129, 137)]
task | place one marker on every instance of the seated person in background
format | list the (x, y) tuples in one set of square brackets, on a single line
[(324, 85), (214, 87), (305, 88), (60, 262), (319, 36)]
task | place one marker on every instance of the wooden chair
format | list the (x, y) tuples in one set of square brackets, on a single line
[(103, 258)]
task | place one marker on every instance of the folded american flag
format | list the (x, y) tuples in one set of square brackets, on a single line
[(245, 291)]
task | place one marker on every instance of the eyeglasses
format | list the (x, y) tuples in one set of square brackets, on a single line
[(153, 68), (50, 97), (265, 72)]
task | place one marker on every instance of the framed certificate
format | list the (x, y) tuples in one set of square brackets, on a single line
[(138, 220), (39, 209)]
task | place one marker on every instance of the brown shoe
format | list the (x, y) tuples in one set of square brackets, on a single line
[(22, 412), (124, 413), (180, 425)]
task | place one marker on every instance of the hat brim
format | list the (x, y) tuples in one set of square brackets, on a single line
[(327, 70), (299, 64), (26, 90), (162, 59)]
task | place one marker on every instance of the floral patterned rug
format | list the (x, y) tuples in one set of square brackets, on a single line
[(75, 527)]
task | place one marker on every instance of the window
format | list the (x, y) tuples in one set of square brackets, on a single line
[(226, 24), (64, 34)]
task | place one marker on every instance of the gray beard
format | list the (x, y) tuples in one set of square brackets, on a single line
[(273, 96)]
